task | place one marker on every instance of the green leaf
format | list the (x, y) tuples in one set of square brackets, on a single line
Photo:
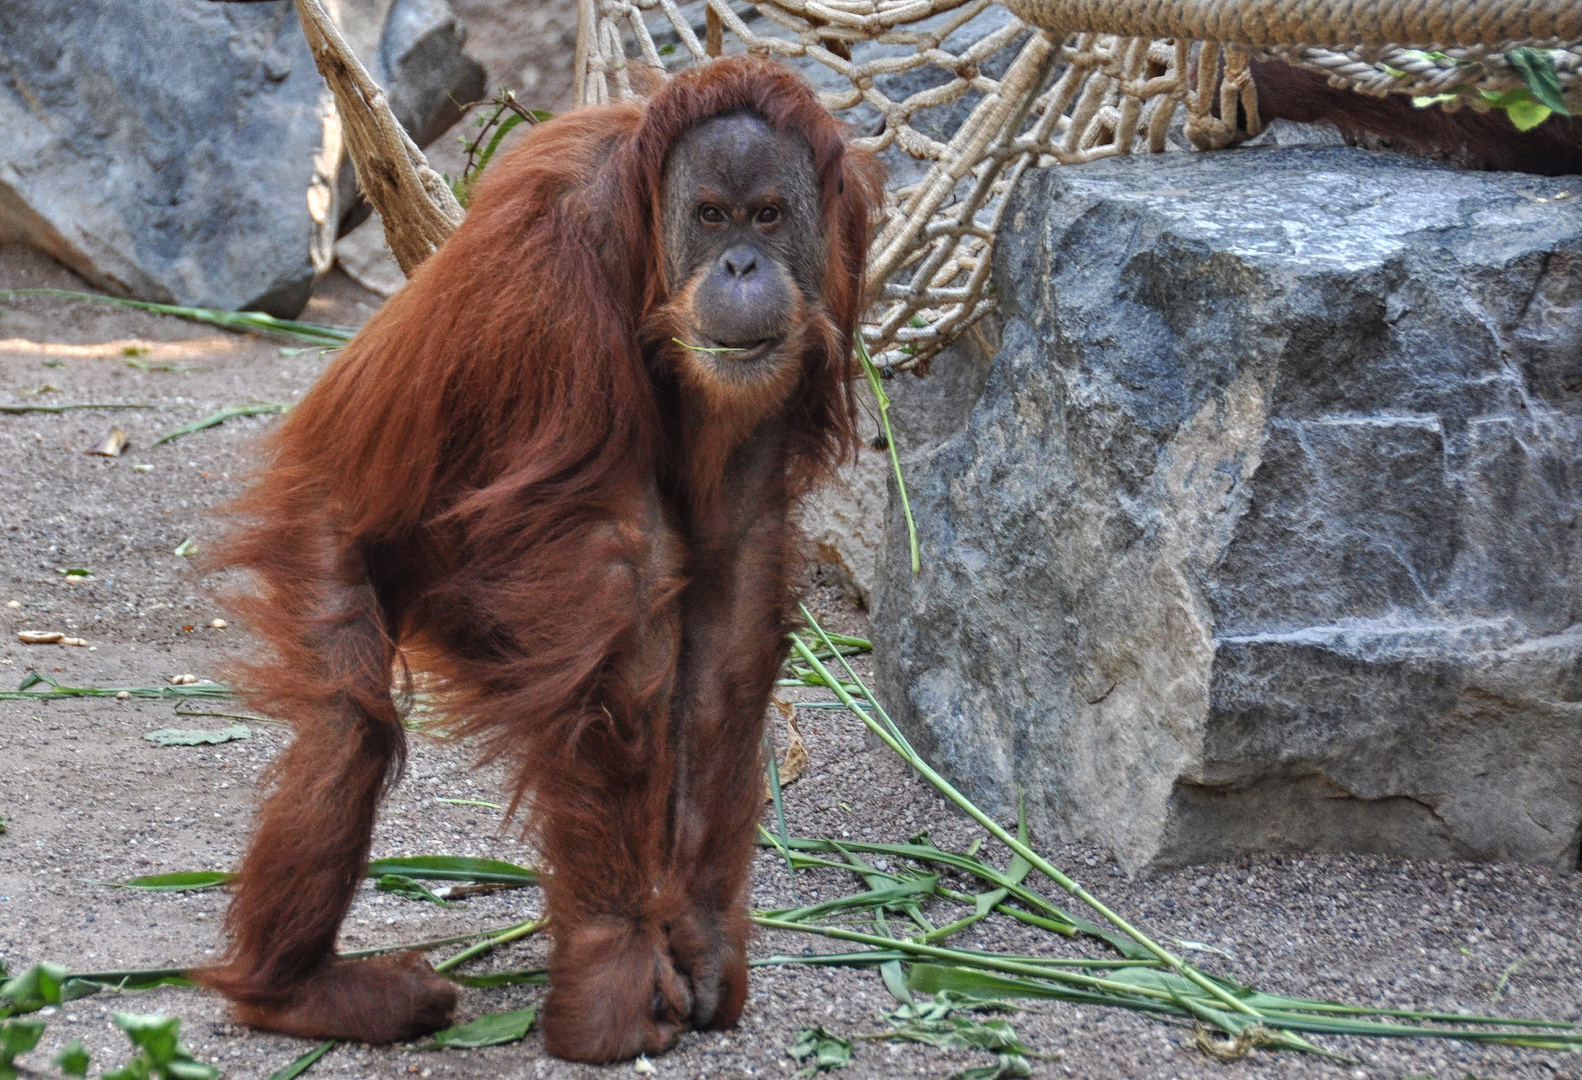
[(895, 981), (510, 977), (1008, 1067), (38, 986), (884, 897), (454, 868), (1526, 115), (883, 400), (25, 690), (491, 1029), (190, 881), (827, 1051), (134, 979), (777, 797), (160, 1051), (136, 1069), (73, 1059), (1524, 112), (157, 1036), (191, 1069), (1537, 69), (932, 1023), (399, 885), (198, 736), (18, 1037), (303, 1063), (263, 408), (256, 321), (984, 985)]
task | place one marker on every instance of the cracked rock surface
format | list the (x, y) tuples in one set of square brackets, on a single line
[(1261, 535), (188, 152)]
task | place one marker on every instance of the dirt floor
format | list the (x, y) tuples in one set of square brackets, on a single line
[(87, 801)]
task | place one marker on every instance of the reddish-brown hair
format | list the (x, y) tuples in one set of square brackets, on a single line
[(468, 485)]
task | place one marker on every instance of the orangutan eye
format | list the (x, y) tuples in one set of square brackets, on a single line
[(710, 214), (768, 215)]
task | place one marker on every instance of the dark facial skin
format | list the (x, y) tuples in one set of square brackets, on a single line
[(743, 245)]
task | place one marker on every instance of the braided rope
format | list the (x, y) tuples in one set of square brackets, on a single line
[(1315, 22), (964, 97)]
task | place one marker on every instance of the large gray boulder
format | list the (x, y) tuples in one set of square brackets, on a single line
[(1263, 533), (187, 151)]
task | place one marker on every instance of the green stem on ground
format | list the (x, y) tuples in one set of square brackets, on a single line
[(891, 736), (75, 406), (877, 385), (520, 930), (247, 321)]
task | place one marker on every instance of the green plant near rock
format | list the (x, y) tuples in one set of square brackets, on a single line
[(1527, 106), (158, 1052), (901, 922)]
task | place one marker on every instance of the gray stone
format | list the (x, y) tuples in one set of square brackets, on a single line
[(1263, 532), (188, 151), (842, 524), (365, 256), (428, 76), (843, 520)]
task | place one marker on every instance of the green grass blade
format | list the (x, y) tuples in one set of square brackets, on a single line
[(500, 133), (25, 691), (303, 1063), (193, 881), (136, 978), (520, 930), (410, 889), (454, 868), (863, 958), (880, 897), (892, 737), (877, 385), (978, 868), (511, 977), (246, 321), (262, 408), (775, 797)]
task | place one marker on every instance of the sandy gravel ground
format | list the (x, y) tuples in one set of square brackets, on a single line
[(88, 801)]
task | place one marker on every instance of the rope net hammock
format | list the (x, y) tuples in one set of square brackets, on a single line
[(962, 97)]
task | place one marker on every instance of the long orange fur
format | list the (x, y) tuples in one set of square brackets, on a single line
[(506, 478)]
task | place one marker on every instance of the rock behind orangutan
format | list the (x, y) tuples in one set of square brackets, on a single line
[(186, 151), (1262, 532)]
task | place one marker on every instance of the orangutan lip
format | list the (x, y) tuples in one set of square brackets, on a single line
[(741, 354)]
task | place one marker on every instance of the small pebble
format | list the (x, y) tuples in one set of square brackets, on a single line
[(14, 605), (124, 695), (218, 624), (183, 680)]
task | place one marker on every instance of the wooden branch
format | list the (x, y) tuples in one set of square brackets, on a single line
[(416, 204)]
